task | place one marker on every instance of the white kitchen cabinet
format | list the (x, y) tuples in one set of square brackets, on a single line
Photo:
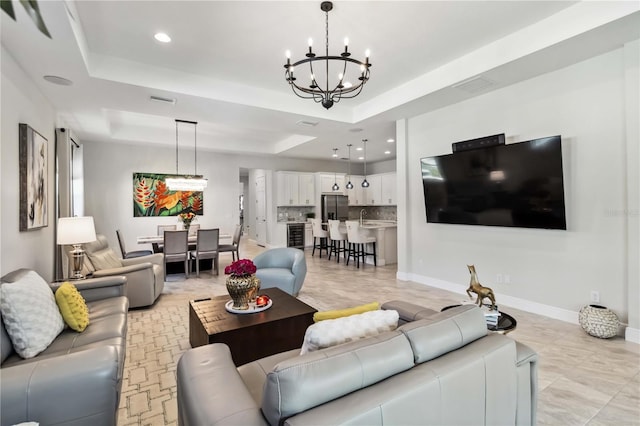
[(388, 189), (308, 235), (328, 179), (295, 189), (373, 194), (306, 189), (356, 194)]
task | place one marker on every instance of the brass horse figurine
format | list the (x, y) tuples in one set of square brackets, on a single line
[(479, 289)]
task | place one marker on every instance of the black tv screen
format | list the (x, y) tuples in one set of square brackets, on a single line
[(516, 185)]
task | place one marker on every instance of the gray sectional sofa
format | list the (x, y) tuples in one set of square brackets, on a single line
[(78, 378), (436, 369)]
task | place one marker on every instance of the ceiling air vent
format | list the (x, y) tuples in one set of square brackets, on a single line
[(474, 84), (161, 99), (307, 123)]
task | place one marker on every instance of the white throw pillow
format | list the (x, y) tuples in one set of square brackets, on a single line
[(30, 313), (346, 329)]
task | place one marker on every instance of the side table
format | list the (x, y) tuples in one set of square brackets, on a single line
[(506, 323)]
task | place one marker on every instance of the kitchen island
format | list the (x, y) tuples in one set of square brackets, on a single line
[(386, 233)]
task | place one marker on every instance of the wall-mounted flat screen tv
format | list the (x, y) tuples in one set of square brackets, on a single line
[(516, 185)]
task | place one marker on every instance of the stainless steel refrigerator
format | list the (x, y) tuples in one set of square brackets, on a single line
[(335, 207)]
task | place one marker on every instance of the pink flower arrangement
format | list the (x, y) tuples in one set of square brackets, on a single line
[(241, 268)]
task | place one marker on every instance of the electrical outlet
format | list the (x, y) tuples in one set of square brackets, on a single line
[(499, 278), (595, 296), (507, 279)]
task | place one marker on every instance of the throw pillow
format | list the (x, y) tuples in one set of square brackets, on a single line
[(105, 259), (339, 313), (72, 307), (31, 316), (333, 332)]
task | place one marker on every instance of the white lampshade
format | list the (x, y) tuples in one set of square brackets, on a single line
[(76, 230)]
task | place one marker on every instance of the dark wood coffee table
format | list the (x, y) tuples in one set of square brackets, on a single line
[(250, 336)]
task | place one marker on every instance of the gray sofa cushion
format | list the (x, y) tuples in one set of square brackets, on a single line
[(300, 383), (444, 332)]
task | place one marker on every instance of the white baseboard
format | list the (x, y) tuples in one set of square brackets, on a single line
[(514, 302), (632, 335)]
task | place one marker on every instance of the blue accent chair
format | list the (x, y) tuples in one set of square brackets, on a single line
[(284, 268)]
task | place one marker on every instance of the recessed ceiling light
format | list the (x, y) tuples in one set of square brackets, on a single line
[(391, 140), (58, 80), (162, 37), (387, 152), (359, 148), (360, 158)]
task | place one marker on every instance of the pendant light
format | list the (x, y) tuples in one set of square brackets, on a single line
[(349, 184), (187, 183), (335, 186), (365, 183)]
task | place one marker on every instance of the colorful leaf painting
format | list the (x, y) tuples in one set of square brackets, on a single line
[(151, 197)]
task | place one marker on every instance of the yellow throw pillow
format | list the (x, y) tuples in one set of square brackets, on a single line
[(72, 307), (339, 313)]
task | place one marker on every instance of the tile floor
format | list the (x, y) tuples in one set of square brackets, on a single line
[(583, 380)]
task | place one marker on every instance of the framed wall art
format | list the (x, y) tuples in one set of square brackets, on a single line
[(33, 153), (151, 197)]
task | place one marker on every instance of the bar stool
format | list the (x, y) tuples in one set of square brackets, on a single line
[(338, 240), (319, 237), (358, 239)]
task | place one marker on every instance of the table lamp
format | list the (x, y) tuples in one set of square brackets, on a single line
[(75, 231)]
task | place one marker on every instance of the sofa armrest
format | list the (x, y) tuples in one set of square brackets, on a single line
[(99, 288), (527, 373), (80, 387), (156, 259), (200, 402)]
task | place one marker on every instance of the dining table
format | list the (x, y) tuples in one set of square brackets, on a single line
[(159, 239)]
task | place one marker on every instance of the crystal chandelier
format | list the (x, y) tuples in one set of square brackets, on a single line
[(329, 92)]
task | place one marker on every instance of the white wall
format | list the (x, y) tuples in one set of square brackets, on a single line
[(23, 103), (551, 272), (109, 169)]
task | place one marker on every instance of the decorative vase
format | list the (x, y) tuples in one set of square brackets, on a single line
[(241, 290), (255, 290), (598, 321)]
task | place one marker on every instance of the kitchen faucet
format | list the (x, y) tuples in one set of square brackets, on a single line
[(363, 212)]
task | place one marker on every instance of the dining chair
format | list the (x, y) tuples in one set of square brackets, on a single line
[(358, 239), (207, 245), (338, 240), (176, 249), (130, 254), (319, 237), (193, 228), (234, 247), (157, 247)]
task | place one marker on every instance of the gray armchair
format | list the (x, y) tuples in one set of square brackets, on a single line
[(284, 268), (145, 274)]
